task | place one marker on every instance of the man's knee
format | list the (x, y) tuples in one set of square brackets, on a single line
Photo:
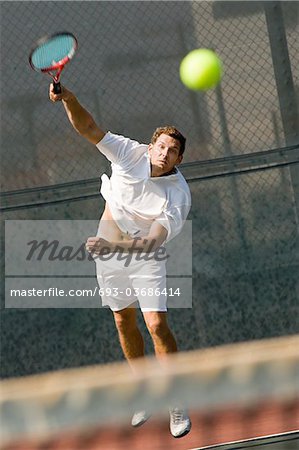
[(157, 325)]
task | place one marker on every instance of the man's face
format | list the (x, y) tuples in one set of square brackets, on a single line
[(164, 155)]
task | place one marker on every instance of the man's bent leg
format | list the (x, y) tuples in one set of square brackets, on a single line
[(164, 343), (163, 339), (131, 340), (132, 344)]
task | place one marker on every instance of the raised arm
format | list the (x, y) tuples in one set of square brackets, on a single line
[(79, 117)]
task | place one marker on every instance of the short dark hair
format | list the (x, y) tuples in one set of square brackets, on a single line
[(172, 132)]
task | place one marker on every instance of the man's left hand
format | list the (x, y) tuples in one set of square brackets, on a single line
[(97, 245)]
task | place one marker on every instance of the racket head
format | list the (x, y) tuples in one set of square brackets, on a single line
[(53, 52)]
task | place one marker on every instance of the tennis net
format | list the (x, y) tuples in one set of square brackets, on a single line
[(239, 396)]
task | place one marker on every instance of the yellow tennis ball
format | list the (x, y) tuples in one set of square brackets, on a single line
[(201, 69)]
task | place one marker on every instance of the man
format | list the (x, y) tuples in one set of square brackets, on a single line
[(147, 203)]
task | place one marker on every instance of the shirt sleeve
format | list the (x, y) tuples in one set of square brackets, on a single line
[(173, 220), (119, 150)]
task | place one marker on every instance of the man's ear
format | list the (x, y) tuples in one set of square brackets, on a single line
[(150, 147), (180, 159)]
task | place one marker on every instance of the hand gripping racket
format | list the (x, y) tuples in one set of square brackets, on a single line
[(51, 54)]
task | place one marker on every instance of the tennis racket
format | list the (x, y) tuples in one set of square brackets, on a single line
[(51, 54)]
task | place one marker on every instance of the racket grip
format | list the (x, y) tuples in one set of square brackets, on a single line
[(56, 88)]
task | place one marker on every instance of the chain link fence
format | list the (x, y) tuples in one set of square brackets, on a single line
[(126, 72), (242, 159), (245, 278)]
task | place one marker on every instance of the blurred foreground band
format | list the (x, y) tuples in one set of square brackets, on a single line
[(234, 392)]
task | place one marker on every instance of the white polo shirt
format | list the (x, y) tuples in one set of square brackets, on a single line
[(135, 198)]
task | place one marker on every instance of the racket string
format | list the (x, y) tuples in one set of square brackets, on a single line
[(55, 51)]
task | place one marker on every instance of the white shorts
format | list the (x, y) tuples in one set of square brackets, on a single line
[(124, 284)]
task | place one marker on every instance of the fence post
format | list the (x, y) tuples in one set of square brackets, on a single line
[(282, 71), (285, 85)]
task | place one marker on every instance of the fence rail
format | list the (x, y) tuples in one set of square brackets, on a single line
[(193, 171)]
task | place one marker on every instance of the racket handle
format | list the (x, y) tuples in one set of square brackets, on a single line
[(56, 88)]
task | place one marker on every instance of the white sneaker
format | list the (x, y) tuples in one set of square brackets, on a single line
[(180, 423), (139, 418)]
